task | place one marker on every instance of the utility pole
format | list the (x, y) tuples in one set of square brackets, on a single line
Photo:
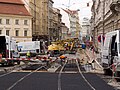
[(94, 22), (35, 18), (103, 21), (48, 24)]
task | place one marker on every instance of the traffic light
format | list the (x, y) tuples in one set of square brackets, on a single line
[(87, 4)]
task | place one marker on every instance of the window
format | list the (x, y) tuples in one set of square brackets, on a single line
[(7, 21), (7, 32), (0, 21), (25, 22), (16, 21), (0, 31), (17, 32), (25, 33)]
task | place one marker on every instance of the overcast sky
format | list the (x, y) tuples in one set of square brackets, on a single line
[(74, 5)]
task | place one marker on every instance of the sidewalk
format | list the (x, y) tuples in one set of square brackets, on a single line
[(83, 57), (94, 59), (96, 63), (88, 55)]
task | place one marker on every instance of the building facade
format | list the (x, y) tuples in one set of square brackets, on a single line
[(78, 26), (57, 19), (105, 18), (72, 22), (15, 20), (85, 27), (65, 30), (42, 13)]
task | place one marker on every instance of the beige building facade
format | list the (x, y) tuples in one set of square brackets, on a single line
[(65, 30), (56, 31), (71, 19), (105, 18), (85, 28), (21, 32), (15, 20), (46, 20), (41, 11), (78, 26)]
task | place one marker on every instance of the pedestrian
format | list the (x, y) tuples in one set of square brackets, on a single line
[(48, 54)]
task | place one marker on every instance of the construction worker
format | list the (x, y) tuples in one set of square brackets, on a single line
[(28, 54), (0, 57), (48, 54), (62, 57)]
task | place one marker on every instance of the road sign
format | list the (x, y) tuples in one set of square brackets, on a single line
[(101, 38)]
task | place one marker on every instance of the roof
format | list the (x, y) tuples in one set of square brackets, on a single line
[(66, 11), (13, 8), (71, 12), (12, 1), (74, 11)]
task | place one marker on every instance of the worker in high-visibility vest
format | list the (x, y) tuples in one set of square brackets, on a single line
[(28, 54), (62, 57)]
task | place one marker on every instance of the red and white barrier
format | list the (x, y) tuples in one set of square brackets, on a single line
[(27, 59)]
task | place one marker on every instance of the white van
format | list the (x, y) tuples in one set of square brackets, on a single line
[(111, 49), (8, 45), (32, 46)]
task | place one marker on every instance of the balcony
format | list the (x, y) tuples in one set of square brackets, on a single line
[(114, 6)]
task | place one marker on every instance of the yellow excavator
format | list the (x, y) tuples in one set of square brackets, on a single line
[(55, 49), (63, 45)]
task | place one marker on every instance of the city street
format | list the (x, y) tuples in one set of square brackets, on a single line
[(59, 44), (70, 76), (49, 81)]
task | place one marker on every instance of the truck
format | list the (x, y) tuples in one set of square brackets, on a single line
[(32, 46), (111, 52), (8, 46)]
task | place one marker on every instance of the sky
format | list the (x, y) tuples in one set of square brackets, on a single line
[(74, 5)]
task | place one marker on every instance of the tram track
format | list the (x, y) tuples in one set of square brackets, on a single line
[(25, 76), (26, 71), (21, 68), (74, 68), (69, 71), (9, 70)]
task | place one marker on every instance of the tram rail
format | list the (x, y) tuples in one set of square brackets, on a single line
[(74, 69)]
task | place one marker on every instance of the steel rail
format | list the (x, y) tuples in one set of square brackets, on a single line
[(19, 66), (5, 74), (84, 77), (21, 79), (59, 76)]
